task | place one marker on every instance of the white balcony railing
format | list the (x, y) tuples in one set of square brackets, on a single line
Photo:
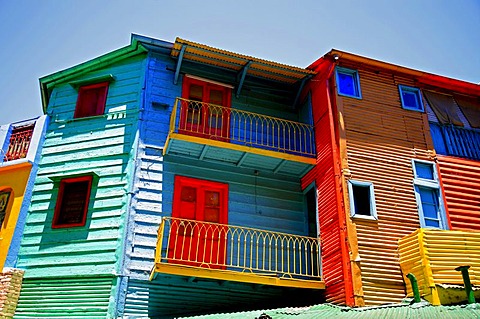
[(241, 249), (241, 127)]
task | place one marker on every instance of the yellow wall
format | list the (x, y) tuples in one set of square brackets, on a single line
[(16, 178), (432, 256)]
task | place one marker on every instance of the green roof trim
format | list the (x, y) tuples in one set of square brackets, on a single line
[(92, 80), (48, 82), (324, 311)]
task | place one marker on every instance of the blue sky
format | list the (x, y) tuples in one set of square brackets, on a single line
[(42, 37)]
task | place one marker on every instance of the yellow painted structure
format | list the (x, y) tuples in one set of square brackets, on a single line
[(14, 178), (432, 256), (249, 255)]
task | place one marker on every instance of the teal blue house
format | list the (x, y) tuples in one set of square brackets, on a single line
[(174, 180)]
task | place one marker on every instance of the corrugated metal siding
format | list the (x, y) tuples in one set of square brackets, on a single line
[(461, 185), (327, 311), (382, 139), (68, 297), (432, 256), (327, 202), (102, 145)]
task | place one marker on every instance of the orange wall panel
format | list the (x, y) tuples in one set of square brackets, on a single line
[(461, 185)]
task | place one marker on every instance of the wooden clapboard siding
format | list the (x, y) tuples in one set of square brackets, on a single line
[(102, 145), (172, 296), (461, 186), (381, 141), (72, 297), (147, 205), (279, 199)]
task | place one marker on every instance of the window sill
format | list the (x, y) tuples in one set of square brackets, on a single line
[(365, 217)]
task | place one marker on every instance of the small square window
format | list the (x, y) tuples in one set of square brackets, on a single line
[(72, 203), (91, 100), (411, 98), (362, 200), (348, 83), (424, 170)]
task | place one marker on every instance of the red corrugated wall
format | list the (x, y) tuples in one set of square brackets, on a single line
[(461, 184), (335, 261)]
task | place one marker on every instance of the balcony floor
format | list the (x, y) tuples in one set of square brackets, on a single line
[(238, 155), (235, 276)]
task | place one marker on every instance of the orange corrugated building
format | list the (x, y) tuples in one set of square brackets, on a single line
[(378, 175)]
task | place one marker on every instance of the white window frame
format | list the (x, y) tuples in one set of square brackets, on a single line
[(371, 192), (433, 184)]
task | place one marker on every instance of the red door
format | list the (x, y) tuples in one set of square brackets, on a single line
[(207, 111), (198, 240)]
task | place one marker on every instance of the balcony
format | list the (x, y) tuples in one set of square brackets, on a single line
[(231, 253), (432, 256), (456, 141), (19, 143), (219, 134)]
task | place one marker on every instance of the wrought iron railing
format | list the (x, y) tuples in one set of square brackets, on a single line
[(233, 248), (456, 141), (241, 127), (19, 143)]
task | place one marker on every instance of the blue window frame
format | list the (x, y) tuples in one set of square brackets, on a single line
[(348, 83), (362, 200), (411, 98), (428, 195)]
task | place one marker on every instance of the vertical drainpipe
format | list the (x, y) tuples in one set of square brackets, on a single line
[(468, 284)]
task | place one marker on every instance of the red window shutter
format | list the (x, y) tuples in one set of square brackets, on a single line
[(91, 100), (72, 203)]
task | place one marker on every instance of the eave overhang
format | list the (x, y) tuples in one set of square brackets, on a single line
[(243, 65), (428, 79), (138, 45)]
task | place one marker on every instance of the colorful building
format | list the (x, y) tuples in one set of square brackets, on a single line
[(179, 179), (380, 177), (20, 145), (170, 184)]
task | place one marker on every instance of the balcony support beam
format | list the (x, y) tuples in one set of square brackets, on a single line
[(242, 78), (297, 97), (242, 159), (179, 64), (204, 152), (279, 166)]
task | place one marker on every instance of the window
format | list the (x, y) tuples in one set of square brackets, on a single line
[(4, 200), (411, 98), (72, 203), (91, 100), (205, 109), (348, 83), (428, 195), (362, 200)]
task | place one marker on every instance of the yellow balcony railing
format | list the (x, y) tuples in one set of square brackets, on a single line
[(237, 249), (241, 127)]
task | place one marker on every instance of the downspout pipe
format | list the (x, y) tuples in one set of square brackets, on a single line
[(414, 283), (468, 284)]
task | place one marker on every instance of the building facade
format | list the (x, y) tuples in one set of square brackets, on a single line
[(20, 149), (178, 179), (386, 167)]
